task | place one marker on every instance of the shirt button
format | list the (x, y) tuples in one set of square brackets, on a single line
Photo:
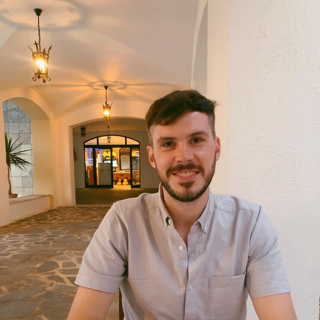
[(205, 228), (180, 248), (169, 221), (190, 287)]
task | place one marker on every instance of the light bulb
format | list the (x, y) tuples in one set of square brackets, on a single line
[(41, 65)]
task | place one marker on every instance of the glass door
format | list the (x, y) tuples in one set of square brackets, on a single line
[(89, 173), (117, 163), (104, 167), (135, 167)]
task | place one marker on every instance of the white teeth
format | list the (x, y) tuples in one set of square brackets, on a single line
[(185, 174)]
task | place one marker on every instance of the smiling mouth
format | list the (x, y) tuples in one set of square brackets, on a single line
[(185, 173)]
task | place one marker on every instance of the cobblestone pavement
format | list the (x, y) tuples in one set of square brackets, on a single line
[(39, 260)]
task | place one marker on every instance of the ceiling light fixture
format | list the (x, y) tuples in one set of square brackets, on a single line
[(108, 136), (83, 131), (40, 58), (107, 107)]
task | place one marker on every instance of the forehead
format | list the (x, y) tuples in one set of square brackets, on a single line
[(189, 123)]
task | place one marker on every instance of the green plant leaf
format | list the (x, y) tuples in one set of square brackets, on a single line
[(13, 156)]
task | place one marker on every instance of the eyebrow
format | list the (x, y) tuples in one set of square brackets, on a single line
[(197, 133), (162, 139)]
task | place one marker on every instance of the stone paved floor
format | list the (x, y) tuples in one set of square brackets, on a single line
[(39, 259)]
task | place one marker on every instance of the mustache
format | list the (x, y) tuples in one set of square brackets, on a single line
[(181, 167)]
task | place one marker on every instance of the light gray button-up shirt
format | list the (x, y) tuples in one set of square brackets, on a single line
[(232, 251)]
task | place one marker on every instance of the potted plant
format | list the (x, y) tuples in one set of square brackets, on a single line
[(13, 158)]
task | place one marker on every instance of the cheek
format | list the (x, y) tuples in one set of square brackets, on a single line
[(163, 162), (206, 157)]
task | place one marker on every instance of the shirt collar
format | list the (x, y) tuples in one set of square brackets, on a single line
[(203, 221), (164, 212)]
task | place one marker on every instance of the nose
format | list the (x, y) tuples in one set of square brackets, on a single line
[(184, 153)]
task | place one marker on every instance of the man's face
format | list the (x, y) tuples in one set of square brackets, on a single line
[(184, 154)]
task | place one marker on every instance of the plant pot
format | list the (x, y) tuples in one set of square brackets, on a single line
[(13, 195)]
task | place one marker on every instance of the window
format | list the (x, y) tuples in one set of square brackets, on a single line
[(93, 141), (114, 140), (130, 141)]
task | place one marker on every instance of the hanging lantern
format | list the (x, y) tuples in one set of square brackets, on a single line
[(40, 58), (107, 107), (83, 131), (108, 136)]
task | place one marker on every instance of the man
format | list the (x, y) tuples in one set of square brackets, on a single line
[(184, 253)]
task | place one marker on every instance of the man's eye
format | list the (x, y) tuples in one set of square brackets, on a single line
[(168, 144), (197, 140)]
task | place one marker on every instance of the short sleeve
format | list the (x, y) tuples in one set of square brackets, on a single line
[(104, 262), (266, 274)]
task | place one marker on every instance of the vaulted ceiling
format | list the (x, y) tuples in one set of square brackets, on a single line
[(141, 49)]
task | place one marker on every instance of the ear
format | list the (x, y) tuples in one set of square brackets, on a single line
[(151, 156), (218, 148)]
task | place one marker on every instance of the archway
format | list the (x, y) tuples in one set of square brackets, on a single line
[(26, 105), (112, 162), (129, 140), (40, 140)]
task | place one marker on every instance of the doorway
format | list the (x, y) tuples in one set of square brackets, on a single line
[(112, 163)]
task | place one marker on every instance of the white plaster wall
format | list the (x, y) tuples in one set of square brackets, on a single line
[(23, 209), (62, 154), (42, 157), (4, 197), (274, 129), (217, 83), (149, 177)]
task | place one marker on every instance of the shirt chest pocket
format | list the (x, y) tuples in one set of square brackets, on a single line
[(227, 296)]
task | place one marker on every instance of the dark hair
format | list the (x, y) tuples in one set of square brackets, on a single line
[(173, 106)]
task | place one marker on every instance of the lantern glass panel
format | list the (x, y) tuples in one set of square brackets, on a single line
[(40, 61), (106, 112)]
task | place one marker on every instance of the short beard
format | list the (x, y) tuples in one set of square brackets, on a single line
[(188, 196)]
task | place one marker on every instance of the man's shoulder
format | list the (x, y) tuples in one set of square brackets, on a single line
[(233, 204), (143, 203)]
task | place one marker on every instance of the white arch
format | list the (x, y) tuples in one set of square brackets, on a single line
[(200, 35), (199, 63), (40, 115), (35, 101), (63, 142)]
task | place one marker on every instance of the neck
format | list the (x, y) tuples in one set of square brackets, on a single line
[(185, 214)]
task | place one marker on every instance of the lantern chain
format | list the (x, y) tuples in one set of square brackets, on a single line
[(39, 33)]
